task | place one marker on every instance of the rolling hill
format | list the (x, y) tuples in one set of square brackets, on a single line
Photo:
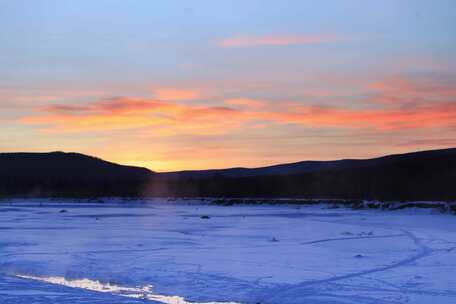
[(424, 175), (67, 174)]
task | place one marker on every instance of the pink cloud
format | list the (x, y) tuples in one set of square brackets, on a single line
[(123, 113), (401, 90), (277, 40), (177, 94), (437, 116), (246, 103), (167, 118), (429, 142)]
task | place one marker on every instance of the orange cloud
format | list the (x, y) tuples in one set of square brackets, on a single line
[(125, 113), (399, 103), (167, 118), (252, 41)]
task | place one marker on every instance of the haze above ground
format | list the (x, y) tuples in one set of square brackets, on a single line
[(172, 86)]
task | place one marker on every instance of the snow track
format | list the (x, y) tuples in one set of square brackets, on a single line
[(422, 251)]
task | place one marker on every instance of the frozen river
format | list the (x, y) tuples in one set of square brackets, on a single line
[(158, 252)]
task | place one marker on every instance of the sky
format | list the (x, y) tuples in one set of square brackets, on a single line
[(174, 85)]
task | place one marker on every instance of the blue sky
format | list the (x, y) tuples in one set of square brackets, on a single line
[(197, 84)]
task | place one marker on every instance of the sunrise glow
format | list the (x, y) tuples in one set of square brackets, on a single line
[(213, 86)]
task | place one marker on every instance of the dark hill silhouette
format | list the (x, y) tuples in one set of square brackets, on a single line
[(308, 166), (59, 173), (65, 165), (426, 175), (291, 168)]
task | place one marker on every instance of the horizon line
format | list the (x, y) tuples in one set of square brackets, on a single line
[(228, 168)]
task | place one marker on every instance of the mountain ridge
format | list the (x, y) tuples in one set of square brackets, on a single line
[(304, 166), (420, 175)]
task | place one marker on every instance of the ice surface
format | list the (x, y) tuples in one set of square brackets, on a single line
[(153, 251)]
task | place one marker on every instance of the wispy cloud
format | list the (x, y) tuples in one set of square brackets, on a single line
[(430, 142), (277, 40), (177, 94), (401, 90), (171, 118), (433, 116), (123, 113), (246, 103)]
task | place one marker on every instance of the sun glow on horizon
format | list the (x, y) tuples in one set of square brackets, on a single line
[(216, 86)]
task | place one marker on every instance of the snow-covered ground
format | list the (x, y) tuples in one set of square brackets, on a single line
[(157, 252)]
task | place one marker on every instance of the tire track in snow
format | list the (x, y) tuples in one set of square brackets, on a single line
[(88, 252), (353, 238), (423, 251)]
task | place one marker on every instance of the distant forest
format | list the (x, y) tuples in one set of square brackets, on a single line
[(427, 175)]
